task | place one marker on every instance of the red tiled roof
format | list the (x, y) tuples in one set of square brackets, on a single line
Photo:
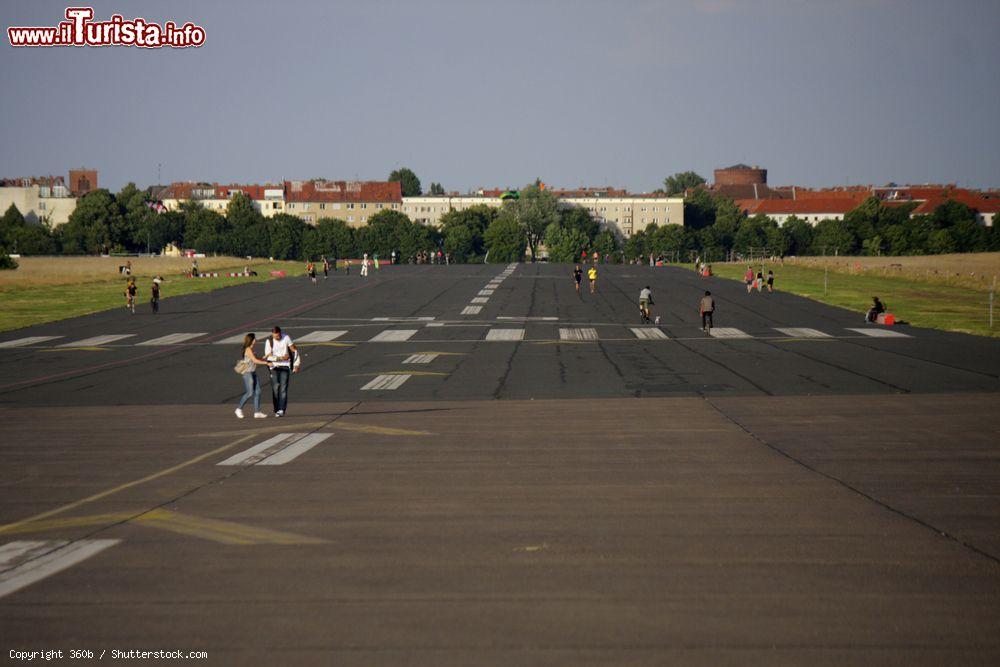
[(184, 190), (797, 206), (343, 191)]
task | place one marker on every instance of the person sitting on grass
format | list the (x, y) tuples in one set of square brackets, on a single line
[(877, 308)]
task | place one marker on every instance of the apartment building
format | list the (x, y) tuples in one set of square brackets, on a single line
[(351, 201), (44, 200), (269, 200)]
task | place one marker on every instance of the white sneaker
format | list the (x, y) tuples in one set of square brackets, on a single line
[(259, 415), (279, 413), (239, 413)]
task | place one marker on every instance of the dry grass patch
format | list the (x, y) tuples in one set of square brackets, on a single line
[(40, 271), (975, 270)]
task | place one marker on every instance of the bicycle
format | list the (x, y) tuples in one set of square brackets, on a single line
[(644, 312)]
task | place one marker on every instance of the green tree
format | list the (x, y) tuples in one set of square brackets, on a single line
[(505, 239), (159, 229), (637, 246), (681, 181), (940, 242), (330, 237), (564, 242), (670, 240), (408, 181), (286, 237), (751, 234), (390, 230), (605, 243), (204, 230), (250, 232), (834, 236), (463, 231), (90, 225), (437, 189), (535, 209), (699, 209), (10, 223), (579, 218), (799, 236)]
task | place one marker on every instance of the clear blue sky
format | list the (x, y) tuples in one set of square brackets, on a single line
[(496, 93)]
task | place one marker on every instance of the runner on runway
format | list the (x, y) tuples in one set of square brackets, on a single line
[(154, 300), (592, 274), (578, 277), (326, 268), (311, 272), (130, 292), (364, 266)]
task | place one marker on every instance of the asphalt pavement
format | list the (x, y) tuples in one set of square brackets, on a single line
[(466, 476)]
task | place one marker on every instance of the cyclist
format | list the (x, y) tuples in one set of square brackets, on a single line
[(130, 292), (645, 301)]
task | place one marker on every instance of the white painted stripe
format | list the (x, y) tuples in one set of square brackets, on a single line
[(386, 382), (238, 338), (880, 333), (381, 319), (257, 452), (802, 332), (471, 310), (435, 324), (96, 340), (405, 318), (480, 299), (320, 337), (578, 334), (505, 334), (727, 332), (648, 333), (486, 292), (542, 319), (172, 339), (425, 358), (33, 561), (393, 336), (30, 340), (294, 450)]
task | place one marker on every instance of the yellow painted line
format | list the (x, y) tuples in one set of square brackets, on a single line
[(66, 349), (127, 485), (380, 430), (75, 522), (354, 375), (286, 425), (226, 532)]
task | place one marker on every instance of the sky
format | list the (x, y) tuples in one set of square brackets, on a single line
[(485, 94)]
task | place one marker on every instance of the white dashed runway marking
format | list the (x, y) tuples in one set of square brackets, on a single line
[(486, 292), (727, 332), (386, 383), (480, 299), (393, 336), (505, 334), (423, 358), (471, 310), (276, 451), (31, 340), (172, 339), (97, 340), (648, 333), (320, 337), (802, 332), (24, 563), (578, 334), (880, 333)]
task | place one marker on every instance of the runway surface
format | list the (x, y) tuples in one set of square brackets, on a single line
[(465, 477)]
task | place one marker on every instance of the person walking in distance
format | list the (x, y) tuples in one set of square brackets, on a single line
[(592, 274), (760, 281), (748, 278), (770, 281), (311, 272), (707, 308), (326, 268), (154, 299), (283, 358), (364, 266), (578, 277), (375, 258), (247, 367), (130, 292)]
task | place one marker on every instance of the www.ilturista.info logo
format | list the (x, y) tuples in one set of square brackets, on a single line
[(79, 30)]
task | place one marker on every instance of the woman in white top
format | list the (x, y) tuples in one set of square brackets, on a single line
[(251, 384)]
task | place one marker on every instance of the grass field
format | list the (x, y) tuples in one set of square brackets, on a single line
[(921, 299), (45, 289), (975, 270)]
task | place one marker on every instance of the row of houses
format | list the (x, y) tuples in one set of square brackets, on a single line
[(356, 201)]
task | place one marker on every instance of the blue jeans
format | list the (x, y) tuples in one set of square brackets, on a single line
[(252, 387), (279, 388)]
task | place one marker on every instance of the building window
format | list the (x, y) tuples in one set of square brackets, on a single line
[(379, 206), (336, 207), (291, 207), (350, 207), (322, 207), (350, 218), (364, 218), (305, 207)]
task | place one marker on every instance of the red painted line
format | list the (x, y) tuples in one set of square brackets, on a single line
[(160, 353)]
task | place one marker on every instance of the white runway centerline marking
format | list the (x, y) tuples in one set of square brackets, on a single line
[(172, 339), (648, 333), (320, 337), (880, 333), (386, 382), (30, 340), (802, 332), (471, 310), (238, 338), (480, 299), (424, 358), (727, 332), (486, 292), (96, 340), (277, 450), (505, 334), (578, 334), (24, 563), (393, 336), (522, 319)]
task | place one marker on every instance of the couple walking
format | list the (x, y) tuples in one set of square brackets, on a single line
[(281, 357)]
